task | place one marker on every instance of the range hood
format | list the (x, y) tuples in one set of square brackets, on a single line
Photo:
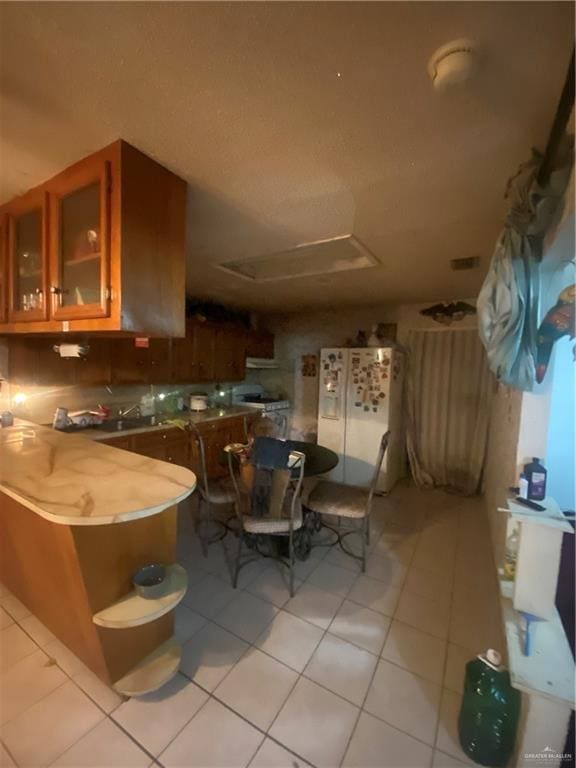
[(261, 362)]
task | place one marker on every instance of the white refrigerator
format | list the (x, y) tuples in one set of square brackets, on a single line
[(360, 398)]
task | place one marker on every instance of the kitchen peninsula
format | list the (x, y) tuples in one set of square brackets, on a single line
[(78, 518)]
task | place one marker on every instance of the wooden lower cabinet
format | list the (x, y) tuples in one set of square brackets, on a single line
[(66, 574), (172, 445), (179, 447), (122, 441), (216, 436)]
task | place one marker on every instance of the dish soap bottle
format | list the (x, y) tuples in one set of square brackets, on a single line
[(490, 711), (536, 477)]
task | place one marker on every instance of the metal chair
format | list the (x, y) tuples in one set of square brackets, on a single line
[(283, 513), (345, 501), (218, 492)]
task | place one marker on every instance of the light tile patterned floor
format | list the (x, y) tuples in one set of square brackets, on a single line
[(356, 670)]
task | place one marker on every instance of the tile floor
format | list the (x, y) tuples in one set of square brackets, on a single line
[(354, 670)]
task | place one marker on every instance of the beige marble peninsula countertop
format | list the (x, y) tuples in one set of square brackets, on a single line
[(72, 480)]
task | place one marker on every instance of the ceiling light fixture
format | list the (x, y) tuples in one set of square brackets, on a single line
[(452, 64), (321, 257)]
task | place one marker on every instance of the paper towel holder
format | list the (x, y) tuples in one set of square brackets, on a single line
[(71, 350)]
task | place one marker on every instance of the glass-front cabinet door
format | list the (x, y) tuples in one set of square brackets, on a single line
[(26, 254), (79, 242)]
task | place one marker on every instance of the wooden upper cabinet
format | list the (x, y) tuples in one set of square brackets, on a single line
[(203, 351), (129, 362), (159, 362), (230, 354), (181, 357), (26, 259), (100, 247), (259, 344), (133, 364), (79, 241), (208, 353), (96, 367)]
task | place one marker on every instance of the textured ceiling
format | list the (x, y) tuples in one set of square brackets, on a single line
[(294, 122)]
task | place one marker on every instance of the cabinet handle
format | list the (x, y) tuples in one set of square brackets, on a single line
[(56, 292)]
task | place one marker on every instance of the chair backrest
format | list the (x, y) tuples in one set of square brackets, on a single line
[(263, 489), (265, 426), (385, 439), (199, 440)]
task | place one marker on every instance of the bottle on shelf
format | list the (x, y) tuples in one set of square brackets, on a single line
[(535, 474)]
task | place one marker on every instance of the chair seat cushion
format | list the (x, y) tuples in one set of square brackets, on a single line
[(336, 499), (219, 491), (272, 525)]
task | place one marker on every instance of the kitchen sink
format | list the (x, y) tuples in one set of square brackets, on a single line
[(121, 425)]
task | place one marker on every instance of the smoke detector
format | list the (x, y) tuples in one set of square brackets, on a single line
[(452, 64)]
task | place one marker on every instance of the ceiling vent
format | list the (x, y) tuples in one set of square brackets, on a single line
[(459, 265), (322, 257)]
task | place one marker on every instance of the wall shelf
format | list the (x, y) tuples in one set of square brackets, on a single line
[(152, 672), (133, 610), (83, 259), (549, 670)]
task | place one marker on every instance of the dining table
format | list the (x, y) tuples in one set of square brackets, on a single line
[(319, 460)]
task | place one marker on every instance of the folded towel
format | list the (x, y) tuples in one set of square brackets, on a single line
[(180, 423)]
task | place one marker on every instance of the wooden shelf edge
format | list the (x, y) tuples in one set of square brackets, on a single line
[(83, 259), (142, 610), (152, 672)]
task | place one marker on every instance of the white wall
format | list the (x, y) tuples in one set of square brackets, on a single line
[(519, 423), (561, 445), (307, 333)]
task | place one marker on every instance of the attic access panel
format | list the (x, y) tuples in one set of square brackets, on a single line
[(322, 257)]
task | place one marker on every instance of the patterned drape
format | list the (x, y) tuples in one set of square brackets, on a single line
[(509, 301), (448, 404)]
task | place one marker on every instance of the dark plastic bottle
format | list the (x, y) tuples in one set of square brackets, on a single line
[(490, 711), (536, 476)]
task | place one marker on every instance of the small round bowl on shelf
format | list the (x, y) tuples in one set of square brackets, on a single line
[(149, 581)]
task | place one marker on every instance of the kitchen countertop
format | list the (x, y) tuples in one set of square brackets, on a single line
[(196, 418), (72, 480)]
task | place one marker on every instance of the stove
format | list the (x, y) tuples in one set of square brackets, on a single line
[(253, 396), (266, 404)]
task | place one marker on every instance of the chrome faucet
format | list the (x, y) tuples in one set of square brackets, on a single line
[(122, 413)]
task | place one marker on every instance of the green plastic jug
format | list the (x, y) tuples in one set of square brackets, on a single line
[(490, 711)]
